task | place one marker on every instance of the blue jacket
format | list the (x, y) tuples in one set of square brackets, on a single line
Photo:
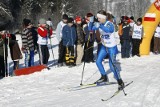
[(87, 31), (69, 35)]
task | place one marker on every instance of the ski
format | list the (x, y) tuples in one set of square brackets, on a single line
[(86, 86), (117, 92)]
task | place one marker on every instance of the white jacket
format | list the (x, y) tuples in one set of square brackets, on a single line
[(59, 30)]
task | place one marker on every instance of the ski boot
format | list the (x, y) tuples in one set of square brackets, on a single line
[(120, 84), (104, 78)]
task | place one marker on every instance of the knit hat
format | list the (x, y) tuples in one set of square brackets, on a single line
[(139, 20), (65, 16), (89, 14), (26, 22), (42, 21), (78, 18), (70, 20)]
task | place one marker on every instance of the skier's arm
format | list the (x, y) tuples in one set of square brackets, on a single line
[(108, 29), (94, 28), (58, 32)]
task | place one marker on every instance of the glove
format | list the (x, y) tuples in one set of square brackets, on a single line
[(97, 25)]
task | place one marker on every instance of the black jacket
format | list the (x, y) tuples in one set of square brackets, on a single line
[(126, 32), (80, 35)]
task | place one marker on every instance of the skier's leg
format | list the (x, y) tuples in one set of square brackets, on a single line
[(102, 54), (114, 69), (112, 64)]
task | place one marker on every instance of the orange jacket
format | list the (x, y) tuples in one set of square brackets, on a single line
[(120, 31)]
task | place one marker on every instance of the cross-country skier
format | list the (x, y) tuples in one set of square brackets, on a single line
[(109, 47)]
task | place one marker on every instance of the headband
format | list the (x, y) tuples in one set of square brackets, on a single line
[(101, 16)]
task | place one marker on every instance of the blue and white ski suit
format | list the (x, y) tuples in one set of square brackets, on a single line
[(109, 47)]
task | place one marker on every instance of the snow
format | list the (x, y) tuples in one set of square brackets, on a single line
[(48, 88)]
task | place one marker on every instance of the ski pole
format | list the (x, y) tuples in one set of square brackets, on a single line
[(83, 69), (84, 60)]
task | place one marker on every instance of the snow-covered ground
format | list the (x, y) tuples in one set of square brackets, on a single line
[(49, 87)]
